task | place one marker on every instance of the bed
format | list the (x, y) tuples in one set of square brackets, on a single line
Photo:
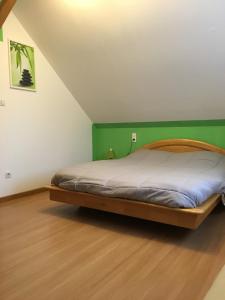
[(164, 204)]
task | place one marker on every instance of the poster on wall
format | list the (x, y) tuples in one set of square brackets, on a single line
[(21, 66)]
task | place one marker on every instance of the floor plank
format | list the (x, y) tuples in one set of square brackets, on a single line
[(55, 251)]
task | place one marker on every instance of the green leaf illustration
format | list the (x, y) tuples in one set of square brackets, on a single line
[(18, 60), (20, 50)]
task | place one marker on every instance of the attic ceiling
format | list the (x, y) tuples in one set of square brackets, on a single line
[(135, 60)]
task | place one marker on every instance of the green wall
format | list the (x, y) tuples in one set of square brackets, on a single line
[(1, 35), (118, 135)]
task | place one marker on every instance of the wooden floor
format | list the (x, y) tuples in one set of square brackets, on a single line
[(55, 251)]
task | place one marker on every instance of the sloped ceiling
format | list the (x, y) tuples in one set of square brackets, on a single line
[(135, 60)]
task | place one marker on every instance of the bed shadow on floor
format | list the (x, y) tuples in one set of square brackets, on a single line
[(207, 238)]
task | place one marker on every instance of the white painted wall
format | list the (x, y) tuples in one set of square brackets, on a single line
[(41, 131), (135, 60)]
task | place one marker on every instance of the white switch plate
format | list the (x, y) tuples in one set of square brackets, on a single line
[(134, 137), (2, 102)]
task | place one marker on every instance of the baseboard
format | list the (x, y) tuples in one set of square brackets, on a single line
[(19, 195)]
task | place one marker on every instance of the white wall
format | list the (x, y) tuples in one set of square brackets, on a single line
[(142, 60), (41, 131)]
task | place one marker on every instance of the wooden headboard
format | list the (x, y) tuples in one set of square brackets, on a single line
[(183, 145)]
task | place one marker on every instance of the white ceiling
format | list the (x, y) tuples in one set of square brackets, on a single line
[(135, 60)]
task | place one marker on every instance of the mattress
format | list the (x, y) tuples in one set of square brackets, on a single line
[(182, 180)]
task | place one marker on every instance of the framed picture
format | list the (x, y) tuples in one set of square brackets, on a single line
[(21, 66)]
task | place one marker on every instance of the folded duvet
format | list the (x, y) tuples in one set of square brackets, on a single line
[(182, 180)]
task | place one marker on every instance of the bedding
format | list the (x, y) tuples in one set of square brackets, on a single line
[(179, 180)]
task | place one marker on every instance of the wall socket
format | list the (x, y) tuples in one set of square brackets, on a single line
[(134, 137), (8, 175)]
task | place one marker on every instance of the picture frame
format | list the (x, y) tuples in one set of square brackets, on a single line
[(21, 66)]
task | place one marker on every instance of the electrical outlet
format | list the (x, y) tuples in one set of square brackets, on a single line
[(134, 137), (8, 175)]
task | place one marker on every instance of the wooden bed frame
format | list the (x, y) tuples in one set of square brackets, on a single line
[(182, 217)]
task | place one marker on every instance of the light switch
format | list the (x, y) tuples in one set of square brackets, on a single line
[(2, 102), (134, 137)]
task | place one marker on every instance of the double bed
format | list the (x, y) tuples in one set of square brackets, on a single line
[(177, 182)]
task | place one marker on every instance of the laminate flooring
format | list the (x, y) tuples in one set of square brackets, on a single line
[(55, 251)]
